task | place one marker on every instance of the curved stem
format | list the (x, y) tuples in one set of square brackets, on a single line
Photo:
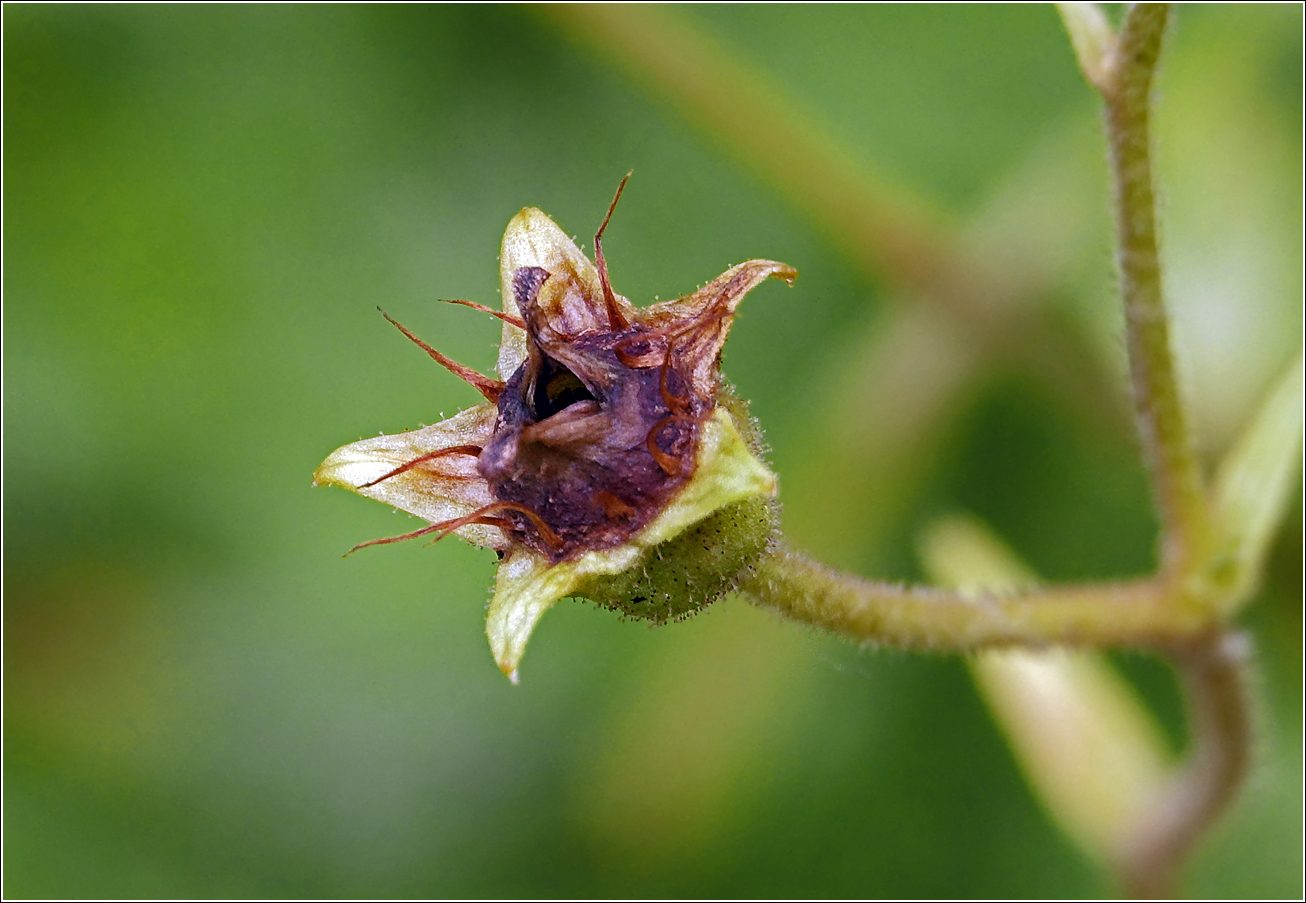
[(1147, 612), (1214, 676), (1167, 448)]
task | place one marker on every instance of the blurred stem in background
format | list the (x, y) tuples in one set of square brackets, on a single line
[(1088, 747), (1210, 557), (888, 232)]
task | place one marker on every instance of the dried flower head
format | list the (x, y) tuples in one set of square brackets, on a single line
[(608, 461)]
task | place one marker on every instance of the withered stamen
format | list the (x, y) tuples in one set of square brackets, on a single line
[(507, 318), (490, 388), (676, 404), (616, 322), (472, 450), (671, 465), (389, 539), (479, 516), (613, 505), (695, 331), (546, 533), (653, 357)]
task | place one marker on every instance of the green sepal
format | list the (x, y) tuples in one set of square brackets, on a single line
[(690, 554)]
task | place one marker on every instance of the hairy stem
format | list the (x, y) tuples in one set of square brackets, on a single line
[(1167, 448), (1138, 613)]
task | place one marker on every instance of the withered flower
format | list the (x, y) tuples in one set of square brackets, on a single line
[(608, 461)]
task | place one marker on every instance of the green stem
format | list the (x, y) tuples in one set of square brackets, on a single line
[(1167, 448), (1138, 613)]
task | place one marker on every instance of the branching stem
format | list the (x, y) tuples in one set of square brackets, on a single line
[(1176, 611)]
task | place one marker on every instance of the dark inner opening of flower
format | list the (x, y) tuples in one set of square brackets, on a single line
[(559, 390), (610, 464), (595, 430)]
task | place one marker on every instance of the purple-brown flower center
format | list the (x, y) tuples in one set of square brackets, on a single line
[(595, 431)]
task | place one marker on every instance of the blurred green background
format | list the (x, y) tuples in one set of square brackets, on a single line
[(203, 208)]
